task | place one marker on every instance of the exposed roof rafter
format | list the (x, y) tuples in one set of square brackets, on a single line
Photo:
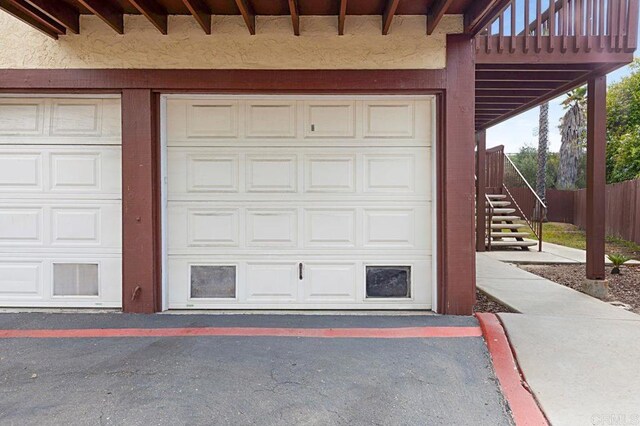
[(106, 12), (27, 18), (201, 13), (387, 17), (248, 15), (153, 12), (435, 14), (342, 16), (60, 12), (481, 13), (295, 16)]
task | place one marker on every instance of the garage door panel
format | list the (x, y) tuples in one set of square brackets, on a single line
[(271, 227), (271, 173), (213, 119), (330, 227), (330, 282), (270, 119), (21, 117), (21, 279), (329, 119), (329, 173), (60, 202), (305, 183), (271, 282)]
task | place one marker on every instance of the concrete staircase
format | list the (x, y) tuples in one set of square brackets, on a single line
[(506, 225)]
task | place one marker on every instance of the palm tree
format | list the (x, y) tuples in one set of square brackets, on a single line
[(543, 146), (573, 132)]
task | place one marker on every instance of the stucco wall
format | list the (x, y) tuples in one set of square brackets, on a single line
[(230, 45)]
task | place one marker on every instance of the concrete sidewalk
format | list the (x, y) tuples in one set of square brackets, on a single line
[(551, 254), (578, 354)]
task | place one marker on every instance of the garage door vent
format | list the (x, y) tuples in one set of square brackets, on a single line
[(388, 281), (75, 279), (213, 281)]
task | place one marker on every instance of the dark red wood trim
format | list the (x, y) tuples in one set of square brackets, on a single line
[(226, 81), (481, 12), (141, 248), (481, 190), (456, 165), (596, 171)]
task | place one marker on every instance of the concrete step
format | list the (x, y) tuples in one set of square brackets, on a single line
[(505, 218), (496, 196), (509, 234), (500, 203), (503, 210), (508, 225), (513, 243)]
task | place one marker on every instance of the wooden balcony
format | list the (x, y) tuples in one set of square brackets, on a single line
[(535, 50)]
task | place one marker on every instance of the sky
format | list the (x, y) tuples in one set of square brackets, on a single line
[(522, 129)]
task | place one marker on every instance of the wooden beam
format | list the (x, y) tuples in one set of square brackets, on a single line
[(596, 175), (60, 12), (201, 13), (28, 19), (506, 94), (435, 14), (387, 17), (38, 16), (106, 12), (342, 16), (455, 182), (141, 246), (153, 12), (248, 15), (516, 85), (295, 16), (481, 13), (528, 76)]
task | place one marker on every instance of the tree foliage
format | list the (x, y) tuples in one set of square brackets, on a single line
[(526, 160), (573, 126), (623, 127)]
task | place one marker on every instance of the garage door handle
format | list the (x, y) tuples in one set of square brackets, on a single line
[(300, 269)]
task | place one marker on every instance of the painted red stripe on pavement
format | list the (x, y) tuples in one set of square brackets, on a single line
[(523, 406), (353, 333)]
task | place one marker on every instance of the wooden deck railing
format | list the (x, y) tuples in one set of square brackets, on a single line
[(503, 177), (526, 26)]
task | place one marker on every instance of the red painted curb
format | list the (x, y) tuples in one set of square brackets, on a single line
[(523, 406), (353, 333)]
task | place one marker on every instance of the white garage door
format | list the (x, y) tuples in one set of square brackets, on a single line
[(60, 202), (299, 202)]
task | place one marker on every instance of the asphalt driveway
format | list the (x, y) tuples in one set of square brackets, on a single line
[(265, 380)]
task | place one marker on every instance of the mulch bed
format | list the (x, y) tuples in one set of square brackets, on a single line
[(623, 288), (485, 304)]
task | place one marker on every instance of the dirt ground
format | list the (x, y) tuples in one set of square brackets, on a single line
[(624, 288), (485, 304)]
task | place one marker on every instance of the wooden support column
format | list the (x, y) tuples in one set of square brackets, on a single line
[(141, 248), (596, 175), (481, 189), (456, 210)]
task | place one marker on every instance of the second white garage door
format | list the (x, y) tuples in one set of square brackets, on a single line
[(299, 202)]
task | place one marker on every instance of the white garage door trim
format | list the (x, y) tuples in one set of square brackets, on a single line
[(199, 136), (73, 145)]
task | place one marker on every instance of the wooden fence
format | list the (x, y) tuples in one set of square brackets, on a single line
[(622, 211)]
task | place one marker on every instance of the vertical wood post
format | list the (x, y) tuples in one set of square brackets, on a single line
[(481, 190), (140, 202), (596, 179), (456, 223)]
